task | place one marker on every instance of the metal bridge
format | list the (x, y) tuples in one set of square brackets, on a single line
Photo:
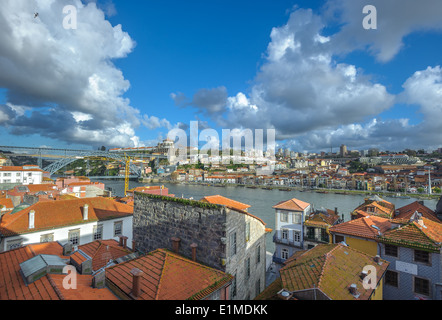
[(63, 157)]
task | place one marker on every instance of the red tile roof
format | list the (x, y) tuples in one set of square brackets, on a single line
[(102, 251), (413, 234), (55, 214), (292, 204), (331, 268), (167, 276), (12, 285), (6, 203), (365, 227), (217, 199), (406, 212)]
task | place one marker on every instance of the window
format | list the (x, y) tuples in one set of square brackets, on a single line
[(74, 236), (421, 286), (98, 232), (232, 244), (392, 278), (47, 237), (258, 287), (234, 287), (421, 256), (391, 250), (118, 228), (284, 254), (339, 239), (248, 268), (310, 233), (284, 217), (285, 234), (247, 231), (258, 254), (6, 174), (297, 218), (297, 236), (14, 244), (17, 174), (324, 235)]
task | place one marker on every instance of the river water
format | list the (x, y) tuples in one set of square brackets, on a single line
[(261, 200)]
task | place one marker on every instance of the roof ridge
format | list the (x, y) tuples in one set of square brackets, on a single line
[(162, 271)]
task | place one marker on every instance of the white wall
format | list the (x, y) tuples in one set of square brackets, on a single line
[(86, 233)]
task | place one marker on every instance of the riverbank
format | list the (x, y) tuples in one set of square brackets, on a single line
[(298, 188)]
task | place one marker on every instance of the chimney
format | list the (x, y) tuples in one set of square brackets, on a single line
[(176, 244), (377, 259), (136, 279), (194, 246), (354, 290), (31, 219), (85, 211), (420, 221), (133, 245), (123, 241), (364, 274), (336, 211)]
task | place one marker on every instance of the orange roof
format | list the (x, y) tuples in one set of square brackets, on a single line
[(168, 276), (428, 235), (406, 212), (331, 268), (12, 285), (55, 214), (34, 188), (101, 251), (84, 290), (225, 202), (292, 204), (7, 203), (18, 168), (365, 227)]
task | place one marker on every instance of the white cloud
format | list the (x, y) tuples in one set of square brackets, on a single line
[(53, 73)]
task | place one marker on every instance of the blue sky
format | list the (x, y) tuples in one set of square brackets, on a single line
[(133, 70)]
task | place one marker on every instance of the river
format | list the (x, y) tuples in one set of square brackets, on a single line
[(261, 200)]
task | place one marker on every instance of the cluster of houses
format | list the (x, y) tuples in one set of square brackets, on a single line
[(151, 245), (319, 256), (319, 173)]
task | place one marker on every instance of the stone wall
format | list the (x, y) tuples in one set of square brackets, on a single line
[(156, 221)]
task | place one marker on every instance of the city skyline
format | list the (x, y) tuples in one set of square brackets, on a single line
[(128, 73)]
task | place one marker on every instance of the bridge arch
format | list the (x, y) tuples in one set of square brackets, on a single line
[(55, 166)]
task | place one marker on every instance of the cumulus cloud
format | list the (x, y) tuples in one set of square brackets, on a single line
[(210, 102), (300, 87), (62, 83), (395, 20), (314, 102)]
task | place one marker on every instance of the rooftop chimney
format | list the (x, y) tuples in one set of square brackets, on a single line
[(136, 279), (354, 290), (31, 219), (377, 259), (133, 245), (363, 274), (176, 244), (123, 241), (194, 246), (85, 211)]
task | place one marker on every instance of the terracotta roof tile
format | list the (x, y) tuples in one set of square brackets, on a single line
[(428, 236), (365, 227), (102, 251), (406, 212), (331, 268), (168, 276), (49, 215), (292, 204), (226, 202)]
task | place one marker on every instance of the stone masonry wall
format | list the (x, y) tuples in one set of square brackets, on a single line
[(156, 221)]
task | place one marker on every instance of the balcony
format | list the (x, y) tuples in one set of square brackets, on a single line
[(287, 242), (277, 260)]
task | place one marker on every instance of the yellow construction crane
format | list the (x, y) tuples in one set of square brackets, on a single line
[(126, 175)]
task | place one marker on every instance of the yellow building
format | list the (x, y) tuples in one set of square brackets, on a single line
[(361, 234)]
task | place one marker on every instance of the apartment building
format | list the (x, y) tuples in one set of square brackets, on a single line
[(22, 175)]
